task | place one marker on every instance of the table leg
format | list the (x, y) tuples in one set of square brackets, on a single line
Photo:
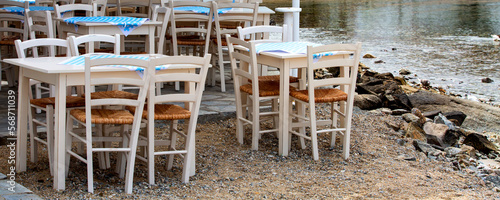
[(151, 38), (22, 128), (60, 134), (283, 114)]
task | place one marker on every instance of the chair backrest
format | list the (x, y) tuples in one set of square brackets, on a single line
[(39, 22), (94, 78), (184, 16), (251, 71), (101, 6), (135, 5), (161, 14), (227, 24), (255, 31), (8, 21), (346, 58), (74, 42), (53, 2), (34, 44), (67, 11), (197, 74)]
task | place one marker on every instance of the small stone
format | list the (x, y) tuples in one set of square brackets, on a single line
[(408, 117), (487, 80), (400, 142), (425, 82), (399, 111), (379, 61), (369, 56), (404, 71), (414, 131)]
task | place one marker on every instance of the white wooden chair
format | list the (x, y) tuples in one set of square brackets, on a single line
[(101, 6), (90, 40), (45, 104), (170, 107), (247, 71), (8, 34), (67, 11), (145, 5), (341, 99), (227, 24), (91, 115)]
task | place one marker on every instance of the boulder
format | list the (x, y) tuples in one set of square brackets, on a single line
[(479, 142), (444, 135), (367, 101), (414, 131)]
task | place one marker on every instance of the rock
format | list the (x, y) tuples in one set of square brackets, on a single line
[(401, 142), (401, 80), (404, 71), (424, 147), (399, 111), (423, 97), (378, 61), (452, 151), (487, 80), (445, 136), (425, 82), (363, 66), (367, 101), (408, 117), (431, 114), (421, 117), (480, 142), (386, 111), (493, 179), (408, 89), (490, 163), (441, 119), (468, 150), (459, 116), (414, 131), (369, 56)]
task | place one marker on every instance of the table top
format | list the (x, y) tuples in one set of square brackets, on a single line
[(107, 24)]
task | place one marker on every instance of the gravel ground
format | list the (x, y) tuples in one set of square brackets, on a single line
[(377, 168)]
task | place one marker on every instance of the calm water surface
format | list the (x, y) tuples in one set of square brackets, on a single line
[(446, 42)]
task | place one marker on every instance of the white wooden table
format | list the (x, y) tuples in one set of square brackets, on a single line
[(285, 62), (85, 28), (49, 70)]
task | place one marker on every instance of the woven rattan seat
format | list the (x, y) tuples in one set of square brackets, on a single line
[(195, 42), (105, 116), (320, 95), (113, 94), (71, 101), (165, 112), (276, 78), (266, 88), (9, 42)]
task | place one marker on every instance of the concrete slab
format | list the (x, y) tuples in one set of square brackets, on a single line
[(2, 176), (21, 197), (7, 188)]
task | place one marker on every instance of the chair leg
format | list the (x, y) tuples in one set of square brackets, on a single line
[(334, 124), (90, 164), (301, 110), (173, 141), (50, 137), (221, 70), (314, 135), (255, 123), (33, 133), (69, 141), (239, 114), (151, 151), (122, 155)]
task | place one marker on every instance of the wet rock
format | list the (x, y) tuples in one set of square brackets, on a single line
[(480, 142), (378, 61), (414, 131), (487, 80), (404, 71), (367, 101), (445, 136), (425, 82), (401, 80), (459, 116), (423, 97), (409, 117), (369, 56), (424, 147)]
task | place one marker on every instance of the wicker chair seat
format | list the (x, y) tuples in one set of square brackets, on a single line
[(104, 116), (266, 88), (113, 94), (165, 112), (276, 78), (196, 42), (320, 95), (71, 101)]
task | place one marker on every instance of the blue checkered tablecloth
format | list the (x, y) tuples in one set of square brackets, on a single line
[(80, 61), (290, 47), (30, 1), (199, 9), (126, 24), (20, 10)]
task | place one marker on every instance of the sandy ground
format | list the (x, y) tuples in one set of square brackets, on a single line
[(377, 168)]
